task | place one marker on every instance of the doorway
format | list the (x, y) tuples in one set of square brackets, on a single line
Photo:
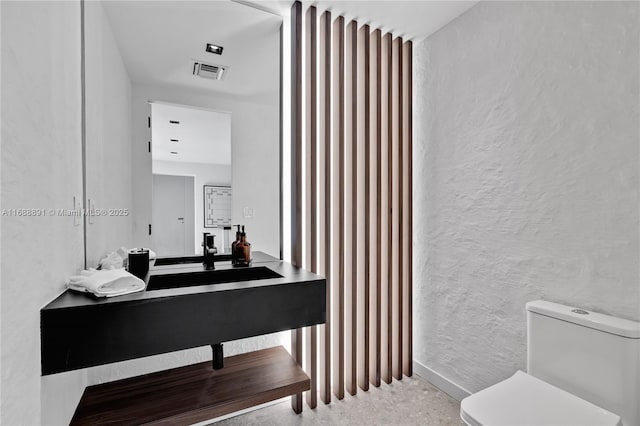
[(173, 215)]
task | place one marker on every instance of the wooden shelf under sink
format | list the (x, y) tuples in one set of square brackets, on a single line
[(194, 393)]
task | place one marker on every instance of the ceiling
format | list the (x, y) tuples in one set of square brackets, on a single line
[(203, 136), (413, 20), (159, 40)]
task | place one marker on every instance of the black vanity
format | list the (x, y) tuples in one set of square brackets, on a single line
[(185, 306)]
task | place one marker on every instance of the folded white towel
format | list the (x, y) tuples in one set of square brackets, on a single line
[(106, 283), (112, 261)]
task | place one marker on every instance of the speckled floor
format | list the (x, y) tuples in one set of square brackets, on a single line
[(412, 401)]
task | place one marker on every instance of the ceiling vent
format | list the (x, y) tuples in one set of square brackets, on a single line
[(213, 72)]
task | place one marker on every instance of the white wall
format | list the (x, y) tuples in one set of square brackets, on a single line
[(254, 158), (109, 133), (526, 177), (204, 174), (41, 168)]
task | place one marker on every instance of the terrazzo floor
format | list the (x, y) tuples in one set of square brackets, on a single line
[(411, 401)]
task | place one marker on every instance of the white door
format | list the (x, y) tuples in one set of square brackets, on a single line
[(173, 231)]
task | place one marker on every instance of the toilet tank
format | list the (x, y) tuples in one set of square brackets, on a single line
[(591, 355)]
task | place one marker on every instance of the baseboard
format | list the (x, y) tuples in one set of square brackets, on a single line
[(436, 379)]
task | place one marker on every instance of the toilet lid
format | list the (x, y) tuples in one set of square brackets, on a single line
[(525, 400)]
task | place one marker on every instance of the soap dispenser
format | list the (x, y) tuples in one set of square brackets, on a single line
[(243, 250)]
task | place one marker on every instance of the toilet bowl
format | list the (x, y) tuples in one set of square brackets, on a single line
[(583, 368)]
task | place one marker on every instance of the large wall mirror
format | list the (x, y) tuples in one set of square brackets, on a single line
[(182, 116)]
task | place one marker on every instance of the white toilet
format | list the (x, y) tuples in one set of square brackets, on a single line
[(583, 369)]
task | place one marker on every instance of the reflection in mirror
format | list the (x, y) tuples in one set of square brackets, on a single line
[(191, 161), (144, 55)]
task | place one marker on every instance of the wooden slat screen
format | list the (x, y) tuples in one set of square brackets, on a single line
[(396, 206), (407, 218), (311, 183), (337, 205), (386, 259), (350, 190), (363, 218), (324, 211), (375, 207), (351, 152), (296, 170)]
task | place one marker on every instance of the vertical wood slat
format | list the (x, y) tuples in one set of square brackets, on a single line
[(350, 190), (311, 201), (337, 100), (311, 79), (312, 365), (387, 288), (361, 173), (393, 207), (324, 177), (397, 205), (375, 205), (407, 185), (363, 219), (296, 169)]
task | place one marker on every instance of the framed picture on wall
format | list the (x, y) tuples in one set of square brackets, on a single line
[(217, 206)]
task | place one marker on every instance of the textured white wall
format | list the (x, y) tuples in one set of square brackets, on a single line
[(41, 168), (109, 134), (526, 177), (204, 174)]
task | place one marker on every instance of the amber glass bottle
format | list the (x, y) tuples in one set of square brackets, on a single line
[(243, 250), (233, 246)]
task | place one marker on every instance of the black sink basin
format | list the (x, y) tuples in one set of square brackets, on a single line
[(114, 329), (165, 281), (189, 259)]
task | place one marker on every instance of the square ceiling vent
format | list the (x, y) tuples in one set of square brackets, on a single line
[(210, 71)]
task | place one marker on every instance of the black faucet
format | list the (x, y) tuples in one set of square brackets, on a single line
[(208, 250)]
